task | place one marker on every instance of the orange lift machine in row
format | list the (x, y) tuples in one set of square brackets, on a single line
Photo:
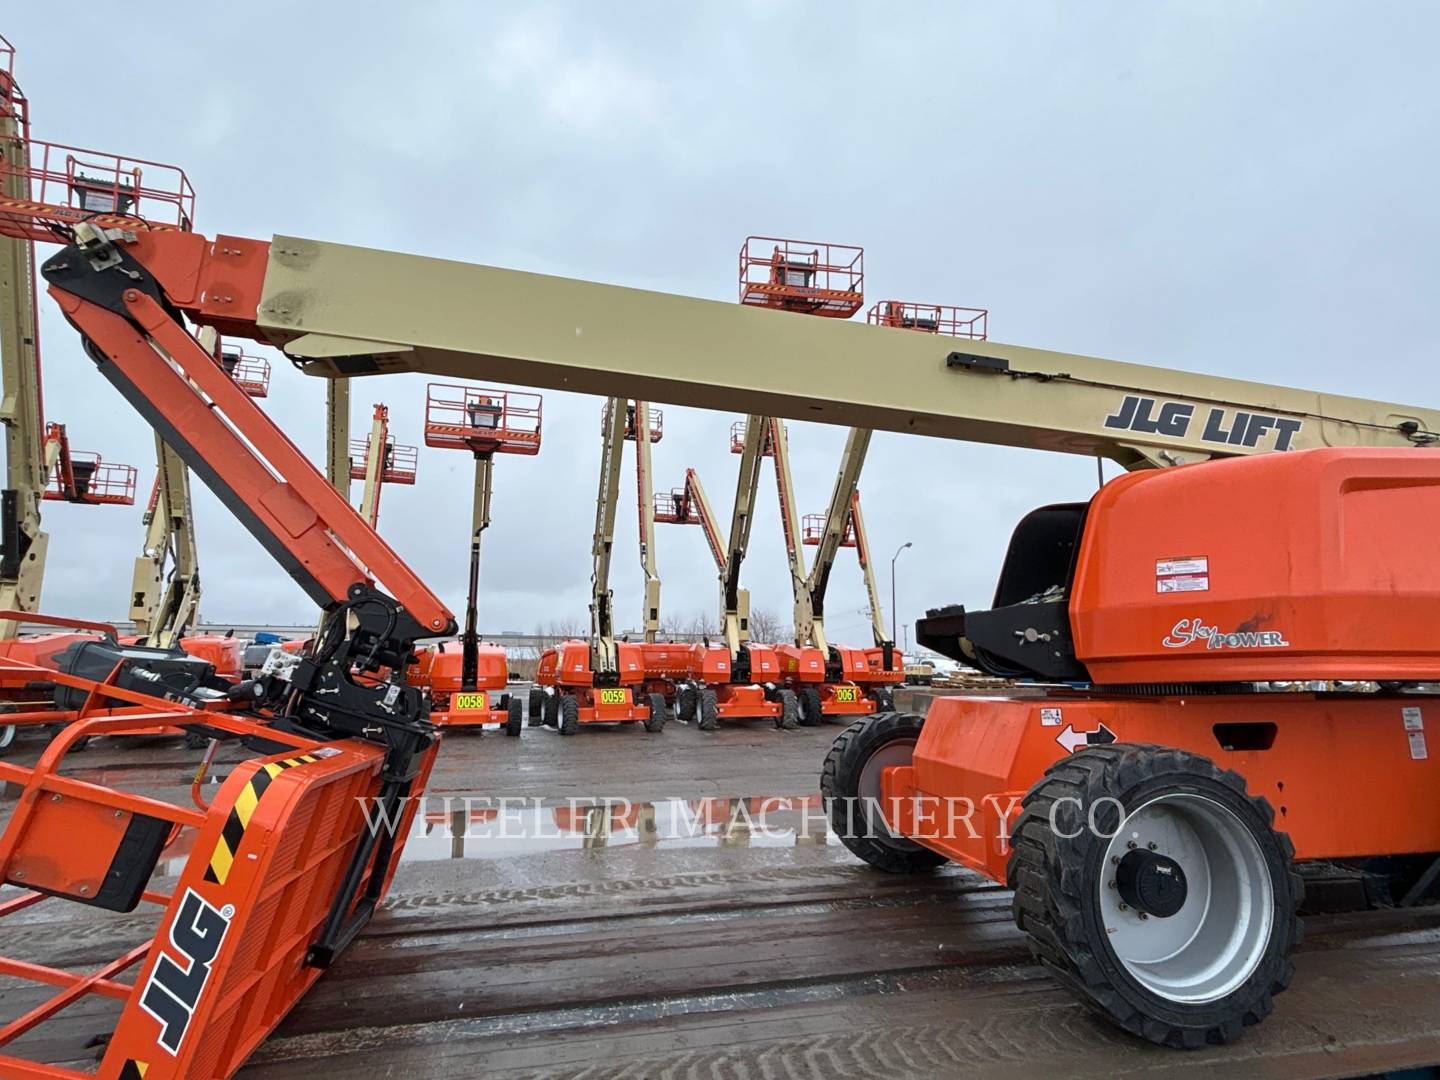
[(483, 422), (603, 680)]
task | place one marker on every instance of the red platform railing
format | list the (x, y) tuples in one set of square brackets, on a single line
[(802, 276), (482, 420), (737, 440), (657, 421), (945, 319), (251, 373), (812, 530), (399, 466), (68, 184)]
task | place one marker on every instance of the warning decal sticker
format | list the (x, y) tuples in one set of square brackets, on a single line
[(1191, 574)]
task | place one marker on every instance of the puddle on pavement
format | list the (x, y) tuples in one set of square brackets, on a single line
[(457, 828)]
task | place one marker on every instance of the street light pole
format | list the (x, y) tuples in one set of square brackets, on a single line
[(898, 550)]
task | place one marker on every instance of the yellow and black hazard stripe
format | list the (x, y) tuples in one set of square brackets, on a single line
[(238, 820), (134, 1070)]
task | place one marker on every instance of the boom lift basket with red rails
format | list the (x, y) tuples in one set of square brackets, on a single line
[(82, 477), (484, 422), (797, 275)]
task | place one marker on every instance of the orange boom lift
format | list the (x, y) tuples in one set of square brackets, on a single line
[(483, 422), (238, 940), (603, 681)]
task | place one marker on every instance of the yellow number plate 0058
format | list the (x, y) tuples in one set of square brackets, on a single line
[(612, 697), (847, 693), (469, 703)]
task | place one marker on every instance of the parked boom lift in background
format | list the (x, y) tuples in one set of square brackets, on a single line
[(600, 681), (483, 422)]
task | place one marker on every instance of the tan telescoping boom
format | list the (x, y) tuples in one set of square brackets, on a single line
[(346, 311)]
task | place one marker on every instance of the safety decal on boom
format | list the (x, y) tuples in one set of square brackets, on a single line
[(238, 820), (134, 1070)]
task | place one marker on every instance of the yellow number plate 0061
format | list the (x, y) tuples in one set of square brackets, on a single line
[(612, 697), (469, 703), (847, 693)]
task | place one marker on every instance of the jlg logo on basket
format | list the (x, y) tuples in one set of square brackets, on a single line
[(174, 989), (1189, 631)]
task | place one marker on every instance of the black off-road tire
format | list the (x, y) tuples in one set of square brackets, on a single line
[(656, 723), (1056, 892), (707, 710), (884, 699), (568, 720), (858, 822), (685, 700), (551, 710), (535, 711), (789, 718), (514, 717), (812, 713)]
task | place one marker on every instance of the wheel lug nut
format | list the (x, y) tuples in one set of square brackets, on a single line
[(1112, 884), (1131, 844), (1143, 915), (1124, 907), (1152, 845), (1115, 859)]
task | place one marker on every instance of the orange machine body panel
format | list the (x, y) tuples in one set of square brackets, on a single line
[(1294, 566), (1348, 775), (440, 667), (566, 668), (41, 649), (223, 652)]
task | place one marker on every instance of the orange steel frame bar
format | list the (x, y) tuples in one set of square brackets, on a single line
[(303, 521)]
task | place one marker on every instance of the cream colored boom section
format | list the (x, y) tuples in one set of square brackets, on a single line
[(359, 311)]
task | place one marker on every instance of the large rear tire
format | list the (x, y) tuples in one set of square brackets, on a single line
[(707, 710), (685, 702), (514, 716), (811, 710), (884, 699), (656, 723), (1174, 915), (789, 718), (850, 784), (569, 715), (551, 710), (535, 711)]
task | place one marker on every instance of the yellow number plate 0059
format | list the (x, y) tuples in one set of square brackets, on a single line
[(847, 693), (612, 697), (469, 703)]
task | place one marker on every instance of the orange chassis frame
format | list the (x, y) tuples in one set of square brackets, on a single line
[(1348, 775), (262, 843)]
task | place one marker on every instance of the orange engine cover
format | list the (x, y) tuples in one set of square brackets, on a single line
[(440, 668), (41, 649), (1286, 566), (223, 652)]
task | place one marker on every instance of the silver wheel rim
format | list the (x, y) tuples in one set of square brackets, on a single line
[(7, 736), (1218, 937), (868, 789)]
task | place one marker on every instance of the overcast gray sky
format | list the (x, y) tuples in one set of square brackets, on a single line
[(1240, 189)]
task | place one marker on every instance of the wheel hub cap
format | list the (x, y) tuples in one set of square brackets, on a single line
[(1152, 883)]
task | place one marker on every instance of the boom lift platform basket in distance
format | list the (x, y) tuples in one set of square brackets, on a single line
[(657, 421), (797, 275), (399, 466), (813, 531), (944, 319), (83, 477), (251, 373), (485, 422)]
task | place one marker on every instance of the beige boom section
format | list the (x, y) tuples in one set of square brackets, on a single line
[(356, 311)]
